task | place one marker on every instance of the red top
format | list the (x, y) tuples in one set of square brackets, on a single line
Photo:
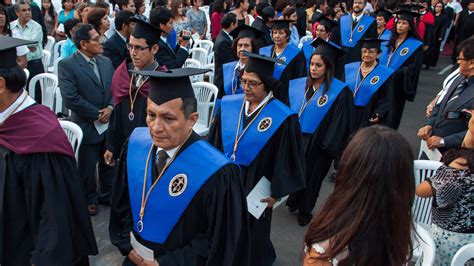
[(216, 24)]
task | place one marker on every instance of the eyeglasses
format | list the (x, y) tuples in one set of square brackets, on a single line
[(251, 83), (363, 51), (96, 39), (462, 59), (137, 48)]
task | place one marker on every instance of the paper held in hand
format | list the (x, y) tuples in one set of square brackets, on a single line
[(260, 191), (142, 251)]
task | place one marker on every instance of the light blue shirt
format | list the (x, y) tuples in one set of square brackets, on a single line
[(68, 48)]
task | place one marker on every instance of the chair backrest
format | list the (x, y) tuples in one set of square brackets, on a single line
[(464, 254), (422, 206), (46, 58), (58, 103), (74, 135), (199, 54), (210, 58), (422, 239), (210, 74), (49, 84), (55, 65), (206, 44), (206, 95), (193, 63), (27, 73), (57, 49), (50, 44)]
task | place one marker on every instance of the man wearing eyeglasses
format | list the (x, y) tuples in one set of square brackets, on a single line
[(129, 90), (85, 79)]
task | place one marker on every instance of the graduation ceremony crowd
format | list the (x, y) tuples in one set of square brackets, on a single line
[(301, 91)]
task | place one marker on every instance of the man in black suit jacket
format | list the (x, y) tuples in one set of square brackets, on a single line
[(223, 52), (464, 28), (36, 15), (171, 57), (85, 79), (440, 132), (115, 48), (263, 23)]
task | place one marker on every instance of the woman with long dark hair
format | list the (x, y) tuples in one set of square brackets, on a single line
[(216, 18), (441, 24), (50, 17), (324, 106), (367, 220), (403, 54)]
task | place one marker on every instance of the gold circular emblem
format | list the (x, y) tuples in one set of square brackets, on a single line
[(374, 80), (323, 99), (264, 124), (177, 185), (404, 51), (360, 28)]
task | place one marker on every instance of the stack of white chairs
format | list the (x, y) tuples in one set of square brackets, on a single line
[(49, 85), (206, 44), (74, 134), (206, 95), (199, 54)]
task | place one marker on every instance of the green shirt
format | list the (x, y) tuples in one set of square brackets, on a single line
[(32, 32)]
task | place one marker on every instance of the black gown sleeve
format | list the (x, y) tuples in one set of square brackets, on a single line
[(111, 134), (295, 69), (384, 100), (215, 134), (406, 77), (57, 213)]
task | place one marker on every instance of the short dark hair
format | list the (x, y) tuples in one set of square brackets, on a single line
[(261, 6), (82, 34), (102, 4), (319, 3), (228, 19), (121, 3), (467, 48), (465, 153), (69, 25), (15, 78), (188, 106), (94, 17), (160, 15), (122, 17)]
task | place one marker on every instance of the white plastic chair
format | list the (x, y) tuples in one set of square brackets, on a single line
[(422, 206), (304, 40), (74, 135), (206, 95), (199, 54), (54, 68), (206, 44), (27, 73), (193, 63), (46, 58), (210, 58), (210, 74), (57, 50), (49, 84), (464, 254), (50, 44), (423, 246)]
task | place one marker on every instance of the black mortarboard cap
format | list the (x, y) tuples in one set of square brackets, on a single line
[(408, 15), (387, 14), (8, 51), (329, 24), (282, 24), (328, 49), (371, 43), (145, 30), (246, 31), (261, 65), (171, 84)]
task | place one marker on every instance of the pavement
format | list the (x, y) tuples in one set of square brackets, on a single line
[(287, 235)]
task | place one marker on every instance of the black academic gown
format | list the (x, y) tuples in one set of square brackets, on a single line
[(403, 87), (430, 57), (281, 162), (322, 147), (213, 229)]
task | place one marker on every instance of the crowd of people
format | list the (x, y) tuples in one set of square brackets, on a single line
[(306, 90)]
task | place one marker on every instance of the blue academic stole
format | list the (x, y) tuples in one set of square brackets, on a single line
[(386, 34), (288, 54), (314, 112), (257, 135), (231, 78), (358, 31), (308, 50), (403, 52), (164, 208), (371, 83)]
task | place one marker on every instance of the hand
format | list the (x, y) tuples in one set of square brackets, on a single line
[(149, 263), (105, 115), (270, 201), (425, 132), (181, 40), (434, 142), (374, 120), (134, 257), (429, 110), (471, 121), (109, 158), (425, 47)]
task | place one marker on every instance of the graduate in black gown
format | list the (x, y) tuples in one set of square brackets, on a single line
[(369, 82), (404, 54), (130, 90), (263, 136), (323, 31), (294, 58), (382, 16), (44, 217), (188, 209), (441, 25), (324, 105)]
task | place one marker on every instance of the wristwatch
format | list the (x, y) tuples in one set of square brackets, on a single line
[(441, 142)]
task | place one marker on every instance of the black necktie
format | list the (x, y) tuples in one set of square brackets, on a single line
[(160, 165)]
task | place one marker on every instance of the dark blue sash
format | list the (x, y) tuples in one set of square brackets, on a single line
[(254, 139), (359, 30), (314, 113), (163, 210), (386, 34), (371, 84), (288, 54), (229, 73), (308, 50), (403, 52)]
